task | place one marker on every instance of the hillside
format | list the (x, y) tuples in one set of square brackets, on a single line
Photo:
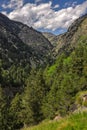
[(22, 44), (69, 40), (75, 122), (51, 37)]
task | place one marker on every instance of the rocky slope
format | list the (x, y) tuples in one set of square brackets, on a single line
[(67, 41), (50, 37), (22, 44)]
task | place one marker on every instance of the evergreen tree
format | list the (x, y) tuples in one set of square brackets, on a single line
[(15, 113), (33, 96), (3, 111)]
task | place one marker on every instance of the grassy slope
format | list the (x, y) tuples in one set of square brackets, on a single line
[(74, 122)]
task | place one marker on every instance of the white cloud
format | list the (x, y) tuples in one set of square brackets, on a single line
[(70, 3), (14, 4), (44, 16), (56, 6)]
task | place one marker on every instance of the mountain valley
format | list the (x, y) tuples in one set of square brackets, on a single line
[(42, 76)]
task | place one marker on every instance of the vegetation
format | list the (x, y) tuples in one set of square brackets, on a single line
[(80, 99), (74, 122), (44, 93)]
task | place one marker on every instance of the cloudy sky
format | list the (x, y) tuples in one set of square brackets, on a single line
[(45, 15)]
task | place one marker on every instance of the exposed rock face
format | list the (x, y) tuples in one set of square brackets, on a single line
[(22, 44)]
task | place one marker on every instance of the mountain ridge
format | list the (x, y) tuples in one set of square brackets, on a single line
[(18, 36), (67, 41)]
